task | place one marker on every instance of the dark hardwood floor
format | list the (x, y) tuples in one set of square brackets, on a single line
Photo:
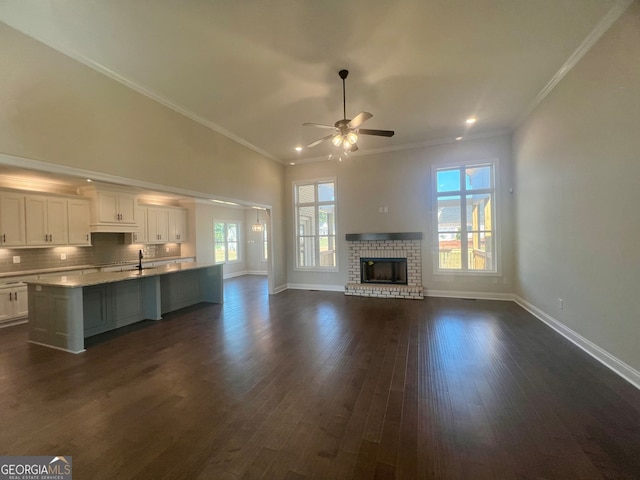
[(318, 385)]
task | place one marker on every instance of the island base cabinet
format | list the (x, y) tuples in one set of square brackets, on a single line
[(55, 317), (116, 305), (179, 290), (96, 310), (62, 315)]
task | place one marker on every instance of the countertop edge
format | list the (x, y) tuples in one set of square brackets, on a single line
[(99, 278)]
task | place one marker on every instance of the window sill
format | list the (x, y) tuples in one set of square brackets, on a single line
[(467, 273)]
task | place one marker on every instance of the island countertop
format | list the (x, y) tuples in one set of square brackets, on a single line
[(98, 278)]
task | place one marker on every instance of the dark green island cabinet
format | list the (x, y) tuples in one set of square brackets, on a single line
[(64, 310)]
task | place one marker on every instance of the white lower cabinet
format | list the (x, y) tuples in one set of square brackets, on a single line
[(13, 302)]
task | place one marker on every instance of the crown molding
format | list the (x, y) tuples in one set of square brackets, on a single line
[(603, 25), (411, 146)]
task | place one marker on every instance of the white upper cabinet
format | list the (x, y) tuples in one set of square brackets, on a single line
[(116, 207), (158, 225), (12, 220), (79, 217), (112, 210), (46, 219), (141, 235), (177, 225), (163, 225)]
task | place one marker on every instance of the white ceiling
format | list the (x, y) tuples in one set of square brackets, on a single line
[(256, 69)]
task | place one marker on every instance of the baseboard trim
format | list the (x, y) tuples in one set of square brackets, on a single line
[(14, 322), (473, 295), (627, 372), (308, 286), (279, 289), (57, 348)]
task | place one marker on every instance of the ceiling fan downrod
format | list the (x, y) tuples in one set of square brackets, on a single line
[(343, 75)]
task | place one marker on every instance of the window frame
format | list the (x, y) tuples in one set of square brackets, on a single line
[(238, 242), (317, 204), (463, 192), (264, 251)]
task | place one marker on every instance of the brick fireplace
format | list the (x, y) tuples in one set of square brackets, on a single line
[(384, 247)]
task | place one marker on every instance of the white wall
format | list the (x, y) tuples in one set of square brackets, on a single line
[(253, 243), (58, 111), (204, 214), (402, 182), (577, 175)]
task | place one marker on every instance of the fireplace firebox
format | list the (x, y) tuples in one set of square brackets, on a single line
[(383, 270)]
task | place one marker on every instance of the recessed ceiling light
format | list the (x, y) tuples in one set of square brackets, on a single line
[(298, 148), (458, 138), (89, 180), (292, 163), (470, 120)]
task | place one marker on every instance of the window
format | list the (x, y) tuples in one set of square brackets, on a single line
[(226, 241), (315, 209), (265, 244), (465, 220)]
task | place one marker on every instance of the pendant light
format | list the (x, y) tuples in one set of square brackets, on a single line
[(257, 227)]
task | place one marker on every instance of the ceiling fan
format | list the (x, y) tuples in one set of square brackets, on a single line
[(345, 131)]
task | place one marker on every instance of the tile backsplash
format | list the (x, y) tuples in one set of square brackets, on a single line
[(106, 248)]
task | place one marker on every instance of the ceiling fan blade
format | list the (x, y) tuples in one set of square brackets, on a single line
[(318, 125), (359, 119), (379, 133), (319, 141)]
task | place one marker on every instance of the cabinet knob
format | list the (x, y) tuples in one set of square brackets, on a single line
[(15, 296), (10, 296)]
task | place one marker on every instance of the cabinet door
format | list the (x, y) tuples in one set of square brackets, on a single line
[(127, 302), (20, 303), (57, 221), (127, 208), (142, 234), (79, 219), (108, 207), (158, 222), (12, 220), (177, 225), (37, 233), (6, 304), (96, 310), (163, 225)]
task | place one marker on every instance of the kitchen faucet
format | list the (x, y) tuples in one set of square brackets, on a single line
[(140, 260)]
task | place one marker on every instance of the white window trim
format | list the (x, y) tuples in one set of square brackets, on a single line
[(497, 209), (296, 237), (238, 224), (264, 242)]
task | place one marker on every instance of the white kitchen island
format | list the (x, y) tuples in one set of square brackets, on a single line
[(64, 310)]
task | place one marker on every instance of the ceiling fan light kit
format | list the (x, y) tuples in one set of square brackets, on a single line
[(346, 131)]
